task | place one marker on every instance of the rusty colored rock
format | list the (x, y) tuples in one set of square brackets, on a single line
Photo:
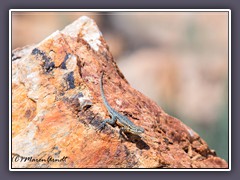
[(57, 108)]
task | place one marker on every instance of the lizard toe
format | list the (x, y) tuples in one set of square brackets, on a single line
[(101, 127)]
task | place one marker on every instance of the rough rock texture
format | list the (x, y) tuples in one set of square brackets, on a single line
[(57, 108)]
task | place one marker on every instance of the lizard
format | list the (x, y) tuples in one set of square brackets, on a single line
[(125, 124)]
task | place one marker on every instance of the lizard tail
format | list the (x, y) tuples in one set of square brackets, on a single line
[(102, 91)]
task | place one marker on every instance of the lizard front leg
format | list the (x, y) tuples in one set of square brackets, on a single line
[(126, 134), (111, 121), (122, 131)]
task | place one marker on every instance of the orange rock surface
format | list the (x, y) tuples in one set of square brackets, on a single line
[(57, 108)]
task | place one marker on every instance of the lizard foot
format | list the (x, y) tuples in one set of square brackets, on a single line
[(101, 127), (109, 121)]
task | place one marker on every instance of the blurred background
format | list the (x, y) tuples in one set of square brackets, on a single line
[(178, 59)]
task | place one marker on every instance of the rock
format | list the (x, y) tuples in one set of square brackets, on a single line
[(57, 109)]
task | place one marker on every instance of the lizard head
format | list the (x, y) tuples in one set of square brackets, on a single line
[(137, 130)]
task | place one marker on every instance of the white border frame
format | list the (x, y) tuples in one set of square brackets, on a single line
[(118, 10)]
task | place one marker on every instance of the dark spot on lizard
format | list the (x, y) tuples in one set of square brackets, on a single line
[(70, 80)]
